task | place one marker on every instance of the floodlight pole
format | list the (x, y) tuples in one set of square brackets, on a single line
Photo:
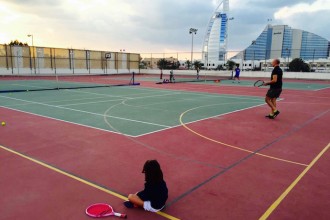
[(226, 55), (192, 31), (34, 58), (31, 35), (269, 21)]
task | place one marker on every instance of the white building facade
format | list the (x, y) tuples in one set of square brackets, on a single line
[(215, 40)]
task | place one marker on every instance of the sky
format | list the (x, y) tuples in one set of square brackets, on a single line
[(150, 26)]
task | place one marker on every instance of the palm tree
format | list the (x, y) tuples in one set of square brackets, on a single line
[(161, 64), (17, 43), (188, 63), (299, 65), (197, 64), (230, 64)]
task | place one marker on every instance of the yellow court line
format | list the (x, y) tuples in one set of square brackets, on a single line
[(293, 184), (80, 179), (235, 147)]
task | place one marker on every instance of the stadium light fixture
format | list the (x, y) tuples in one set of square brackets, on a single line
[(34, 58), (31, 35), (192, 31)]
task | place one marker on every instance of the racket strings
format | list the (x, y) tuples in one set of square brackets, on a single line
[(259, 83), (105, 212)]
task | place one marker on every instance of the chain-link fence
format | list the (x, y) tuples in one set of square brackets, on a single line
[(42, 60)]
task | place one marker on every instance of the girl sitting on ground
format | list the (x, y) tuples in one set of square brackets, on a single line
[(155, 192)]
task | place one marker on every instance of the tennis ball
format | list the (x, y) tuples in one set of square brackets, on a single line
[(3, 123)]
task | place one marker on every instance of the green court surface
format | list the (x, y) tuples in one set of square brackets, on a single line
[(130, 110)]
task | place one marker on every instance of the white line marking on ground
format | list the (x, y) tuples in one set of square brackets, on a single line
[(97, 114)]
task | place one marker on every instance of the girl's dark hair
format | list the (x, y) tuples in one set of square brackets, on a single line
[(153, 173)]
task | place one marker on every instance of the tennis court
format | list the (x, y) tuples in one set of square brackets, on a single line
[(62, 150), (132, 111)]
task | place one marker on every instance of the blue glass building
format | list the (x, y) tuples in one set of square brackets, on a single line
[(282, 41)]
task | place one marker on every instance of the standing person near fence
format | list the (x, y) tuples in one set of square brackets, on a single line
[(275, 89), (237, 72), (155, 193), (197, 69), (172, 76)]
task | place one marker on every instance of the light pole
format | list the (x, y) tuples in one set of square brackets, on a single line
[(31, 35), (226, 53), (34, 59), (192, 31)]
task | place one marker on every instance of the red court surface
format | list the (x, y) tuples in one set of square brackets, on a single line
[(234, 166)]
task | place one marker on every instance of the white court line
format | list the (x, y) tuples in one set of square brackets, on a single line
[(84, 103), (227, 113), (213, 95), (201, 93), (100, 94), (91, 113), (321, 89), (27, 86), (70, 100), (70, 122), (166, 127), (205, 95), (176, 92), (193, 100), (157, 103), (65, 100)]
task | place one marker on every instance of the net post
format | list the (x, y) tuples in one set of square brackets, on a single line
[(133, 76)]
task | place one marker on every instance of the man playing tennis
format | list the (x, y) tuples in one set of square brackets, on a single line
[(237, 72), (275, 89)]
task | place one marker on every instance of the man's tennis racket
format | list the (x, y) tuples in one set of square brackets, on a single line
[(100, 210), (259, 83)]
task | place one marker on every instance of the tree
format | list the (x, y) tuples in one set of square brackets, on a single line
[(197, 64), (220, 67), (298, 65), (188, 63), (173, 65), (143, 64), (17, 43), (230, 64), (162, 63)]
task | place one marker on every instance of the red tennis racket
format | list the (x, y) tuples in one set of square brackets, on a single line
[(100, 210)]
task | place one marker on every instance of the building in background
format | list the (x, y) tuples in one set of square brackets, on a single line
[(216, 37), (285, 43)]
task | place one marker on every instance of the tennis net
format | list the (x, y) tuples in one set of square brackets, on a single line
[(207, 76), (23, 83)]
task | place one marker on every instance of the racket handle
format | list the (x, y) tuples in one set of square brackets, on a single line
[(120, 215)]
